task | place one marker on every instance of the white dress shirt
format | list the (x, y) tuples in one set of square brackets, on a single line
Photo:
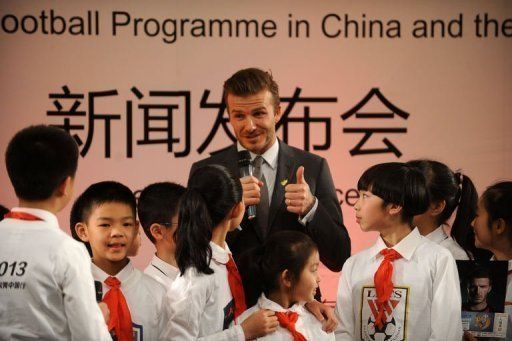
[(425, 303), (46, 286), (508, 301), (306, 324), (145, 297), (440, 237), (162, 271), (201, 306), (269, 170)]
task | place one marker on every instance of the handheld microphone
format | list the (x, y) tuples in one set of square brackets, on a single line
[(245, 168)]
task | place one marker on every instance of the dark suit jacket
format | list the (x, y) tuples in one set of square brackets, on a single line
[(326, 228)]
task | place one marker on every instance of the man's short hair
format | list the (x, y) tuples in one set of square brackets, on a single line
[(250, 81), (158, 203), (96, 195), (38, 159), (479, 272)]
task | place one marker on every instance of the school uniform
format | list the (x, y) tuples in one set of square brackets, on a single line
[(425, 303), (440, 237), (508, 301), (46, 287), (161, 271), (306, 323), (202, 306), (144, 296)]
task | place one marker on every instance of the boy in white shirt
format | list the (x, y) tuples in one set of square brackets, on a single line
[(103, 216), (405, 287), (49, 295), (158, 214)]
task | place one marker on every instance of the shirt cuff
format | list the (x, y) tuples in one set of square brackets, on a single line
[(311, 214)]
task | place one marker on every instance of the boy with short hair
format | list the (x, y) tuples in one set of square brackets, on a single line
[(48, 294), (158, 214), (104, 217)]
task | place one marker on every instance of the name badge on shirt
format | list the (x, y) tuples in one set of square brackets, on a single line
[(229, 314), (395, 322)]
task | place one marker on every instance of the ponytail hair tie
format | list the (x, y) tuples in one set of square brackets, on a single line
[(460, 179)]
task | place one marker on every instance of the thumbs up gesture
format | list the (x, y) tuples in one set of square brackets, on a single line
[(298, 197)]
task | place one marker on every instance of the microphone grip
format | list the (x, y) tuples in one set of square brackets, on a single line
[(251, 210)]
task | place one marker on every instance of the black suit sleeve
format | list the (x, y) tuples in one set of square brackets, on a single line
[(326, 228)]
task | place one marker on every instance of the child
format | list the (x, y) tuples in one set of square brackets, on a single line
[(158, 214), (208, 295), (287, 266), (449, 191), (405, 286), (48, 290), (493, 231), (104, 217)]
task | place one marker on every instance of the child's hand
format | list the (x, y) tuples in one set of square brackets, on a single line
[(324, 314), (259, 324), (468, 337)]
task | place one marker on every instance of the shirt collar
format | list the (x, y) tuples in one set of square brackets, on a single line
[(47, 216), (265, 303), (405, 247), (438, 235), (219, 254), (122, 275), (168, 269), (270, 156)]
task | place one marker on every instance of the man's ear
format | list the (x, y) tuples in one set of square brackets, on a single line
[(156, 231), (81, 232), (277, 113)]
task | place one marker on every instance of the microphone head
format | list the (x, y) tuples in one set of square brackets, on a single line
[(244, 158)]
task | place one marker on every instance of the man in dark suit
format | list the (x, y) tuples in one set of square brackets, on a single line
[(295, 190)]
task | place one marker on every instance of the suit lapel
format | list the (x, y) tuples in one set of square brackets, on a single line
[(285, 165)]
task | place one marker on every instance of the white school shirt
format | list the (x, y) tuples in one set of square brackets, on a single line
[(306, 324), (46, 286), (144, 296), (201, 306), (440, 237), (425, 303), (162, 271)]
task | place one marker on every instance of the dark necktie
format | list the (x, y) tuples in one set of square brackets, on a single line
[(263, 206)]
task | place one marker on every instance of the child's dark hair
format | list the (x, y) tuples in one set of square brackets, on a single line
[(95, 195), (497, 200), (38, 159), (458, 192), (212, 191), (397, 183), (157, 204), (284, 250)]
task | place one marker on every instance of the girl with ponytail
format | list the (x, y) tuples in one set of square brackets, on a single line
[(449, 191), (285, 269), (207, 297)]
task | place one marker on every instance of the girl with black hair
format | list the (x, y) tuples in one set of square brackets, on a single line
[(207, 297), (493, 231), (404, 286), (285, 269), (449, 191)]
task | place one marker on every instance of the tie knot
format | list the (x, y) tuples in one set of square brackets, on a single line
[(258, 161), (113, 282), (390, 254), (231, 265)]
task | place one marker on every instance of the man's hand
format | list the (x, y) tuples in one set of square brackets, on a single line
[(324, 314), (251, 190), (298, 197)]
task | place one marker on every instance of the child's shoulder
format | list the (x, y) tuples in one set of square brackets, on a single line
[(429, 249)]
